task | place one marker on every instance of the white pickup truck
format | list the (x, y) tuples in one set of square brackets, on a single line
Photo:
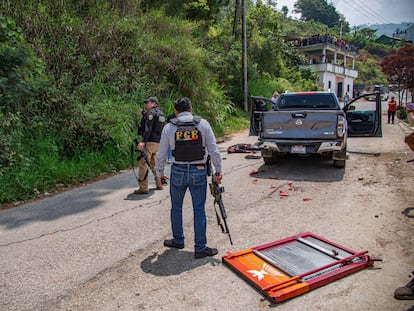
[(307, 123)]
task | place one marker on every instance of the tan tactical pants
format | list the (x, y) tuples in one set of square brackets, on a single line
[(151, 149)]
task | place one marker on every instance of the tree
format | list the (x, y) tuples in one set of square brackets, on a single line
[(285, 10), (21, 72), (362, 36), (207, 10), (317, 10), (264, 36), (398, 65)]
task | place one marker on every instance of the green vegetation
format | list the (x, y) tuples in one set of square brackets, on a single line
[(321, 11), (73, 75)]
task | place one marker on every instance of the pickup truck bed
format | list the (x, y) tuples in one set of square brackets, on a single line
[(311, 123), (302, 123)]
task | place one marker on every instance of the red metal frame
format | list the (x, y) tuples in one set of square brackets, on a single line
[(276, 284)]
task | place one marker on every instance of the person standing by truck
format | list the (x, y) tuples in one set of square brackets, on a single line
[(191, 139), (392, 108), (274, 99), (346, 98)]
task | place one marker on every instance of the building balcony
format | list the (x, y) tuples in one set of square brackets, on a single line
[(336, 69), (319, 46)]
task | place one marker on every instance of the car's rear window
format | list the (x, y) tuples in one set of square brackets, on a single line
[(307, 101)]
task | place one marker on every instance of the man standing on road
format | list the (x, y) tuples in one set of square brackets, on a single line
[(346, 98), (191, 139), (392, 108), (152, 123)]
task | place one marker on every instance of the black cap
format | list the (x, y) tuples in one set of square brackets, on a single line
[(182, 104), (151, 99)]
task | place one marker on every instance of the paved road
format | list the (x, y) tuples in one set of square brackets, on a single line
[(99, 247)]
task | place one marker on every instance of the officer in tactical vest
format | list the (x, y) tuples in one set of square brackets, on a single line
[(191, 140), (150, 129)]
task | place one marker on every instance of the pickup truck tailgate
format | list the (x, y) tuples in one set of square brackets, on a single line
[(309, 124)]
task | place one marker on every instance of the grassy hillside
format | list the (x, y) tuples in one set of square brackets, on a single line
[(73, 76)]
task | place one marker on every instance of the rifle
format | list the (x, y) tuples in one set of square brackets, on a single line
[(143, 155), (216, 190)]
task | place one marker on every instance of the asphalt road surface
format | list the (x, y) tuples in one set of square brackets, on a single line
[(99, 247)]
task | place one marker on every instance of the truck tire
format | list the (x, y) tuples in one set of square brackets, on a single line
[(270, 160), (339, 163), (339, 159)]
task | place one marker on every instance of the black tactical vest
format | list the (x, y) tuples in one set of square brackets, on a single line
[(161, 120), (188, 141)]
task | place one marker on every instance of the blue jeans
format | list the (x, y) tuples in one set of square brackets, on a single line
[(391, 116), (195, 179), (169, 156)]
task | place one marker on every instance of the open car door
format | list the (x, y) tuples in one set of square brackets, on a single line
[(258, 105), (363, 116)]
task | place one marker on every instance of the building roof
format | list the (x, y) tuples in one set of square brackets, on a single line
[(386, 39)]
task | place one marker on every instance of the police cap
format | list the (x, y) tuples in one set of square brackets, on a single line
[(151, 99)]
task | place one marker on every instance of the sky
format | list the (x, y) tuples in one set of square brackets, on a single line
[(359, 12)]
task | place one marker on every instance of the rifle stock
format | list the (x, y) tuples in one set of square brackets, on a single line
[(144, 155), (216, 191)]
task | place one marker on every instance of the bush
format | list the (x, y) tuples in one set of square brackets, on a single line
[(402, 114)]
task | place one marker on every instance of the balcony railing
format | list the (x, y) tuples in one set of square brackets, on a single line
[(327, 67), (351, 50)]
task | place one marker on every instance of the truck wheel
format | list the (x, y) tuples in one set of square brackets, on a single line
[(342, 158), (268, 160), (339, 163)]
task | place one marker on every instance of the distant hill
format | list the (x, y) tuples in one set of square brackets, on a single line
[(387, 29)]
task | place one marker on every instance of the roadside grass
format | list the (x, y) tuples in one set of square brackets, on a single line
[(44, 172), (237, 122)]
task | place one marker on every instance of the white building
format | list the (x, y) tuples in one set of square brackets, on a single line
[(334, 62)]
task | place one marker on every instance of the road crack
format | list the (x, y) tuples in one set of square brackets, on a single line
[(154, 203)]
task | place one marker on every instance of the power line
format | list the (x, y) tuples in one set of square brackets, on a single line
[(363, 5), (365, 10)]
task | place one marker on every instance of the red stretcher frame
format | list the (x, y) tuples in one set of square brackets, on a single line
[(278, 285)]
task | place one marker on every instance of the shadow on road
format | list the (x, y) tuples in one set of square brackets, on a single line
[(67, 203), (314, 168), (174, 262), (136, 197)]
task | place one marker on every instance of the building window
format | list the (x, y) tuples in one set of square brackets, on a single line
[(329, 84)]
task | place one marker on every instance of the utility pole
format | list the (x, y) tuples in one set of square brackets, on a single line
[(244, 55), (236, 17)]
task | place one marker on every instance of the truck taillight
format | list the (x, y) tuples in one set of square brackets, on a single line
[(341, 126)]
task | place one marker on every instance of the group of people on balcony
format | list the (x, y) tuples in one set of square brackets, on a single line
[(326, 38)]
